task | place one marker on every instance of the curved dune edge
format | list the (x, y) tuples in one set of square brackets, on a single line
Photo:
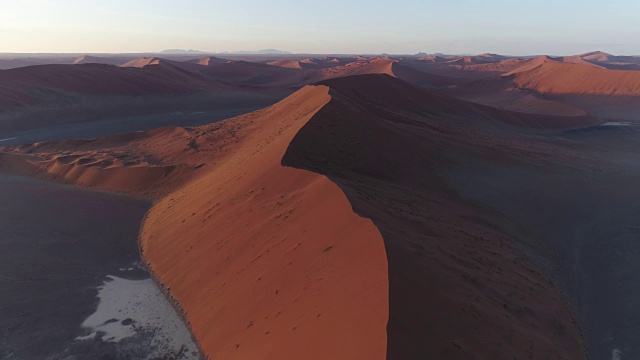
[(265, 261), (270, 262)]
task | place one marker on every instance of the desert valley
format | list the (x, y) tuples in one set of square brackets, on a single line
[(292, 206)]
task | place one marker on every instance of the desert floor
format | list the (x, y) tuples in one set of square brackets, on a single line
[(72, 283)]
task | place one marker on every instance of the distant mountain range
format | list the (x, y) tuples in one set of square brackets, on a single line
[(181, 51), (258, 52)]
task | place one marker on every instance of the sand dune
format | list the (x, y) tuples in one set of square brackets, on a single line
[(142, 62), (292, 64), (464, 60), (548, 86), (272, 74), (325, 62), (361, 141), (338, 223), (144, 163), (532, 64), (488, 65), (44, 96), (384, 65), (208, 61), (602, 57), (17, 62), (297, 243), (254, 74), (578, 60), (269, 260), (558, 78), (433, 59), (597, 56), (89, 59), (471, 68), (316, 272), (156, 63), (18, 86)]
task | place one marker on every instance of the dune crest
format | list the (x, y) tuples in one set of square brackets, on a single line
[(273, 262)]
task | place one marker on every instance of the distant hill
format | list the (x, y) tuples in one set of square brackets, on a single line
[(181, 51), (258, 52)]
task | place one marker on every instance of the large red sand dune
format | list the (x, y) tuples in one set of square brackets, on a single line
[(270, 261), (274, 263)]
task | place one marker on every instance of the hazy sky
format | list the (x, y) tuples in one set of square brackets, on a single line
[(322, 26)]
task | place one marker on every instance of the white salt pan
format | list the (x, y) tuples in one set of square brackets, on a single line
[(145, 309)]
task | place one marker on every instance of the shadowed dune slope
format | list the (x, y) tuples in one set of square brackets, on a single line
[(89, 100), (386, 93), (464, 68), (28, 85), (458, 288), (389, 67), (254, 74)]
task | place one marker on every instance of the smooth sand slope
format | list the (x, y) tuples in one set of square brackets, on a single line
[(267, 261)]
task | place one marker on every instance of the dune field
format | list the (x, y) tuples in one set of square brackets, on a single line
[(370, 207)]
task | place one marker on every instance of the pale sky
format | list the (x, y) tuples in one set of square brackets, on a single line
[(559, 27)]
